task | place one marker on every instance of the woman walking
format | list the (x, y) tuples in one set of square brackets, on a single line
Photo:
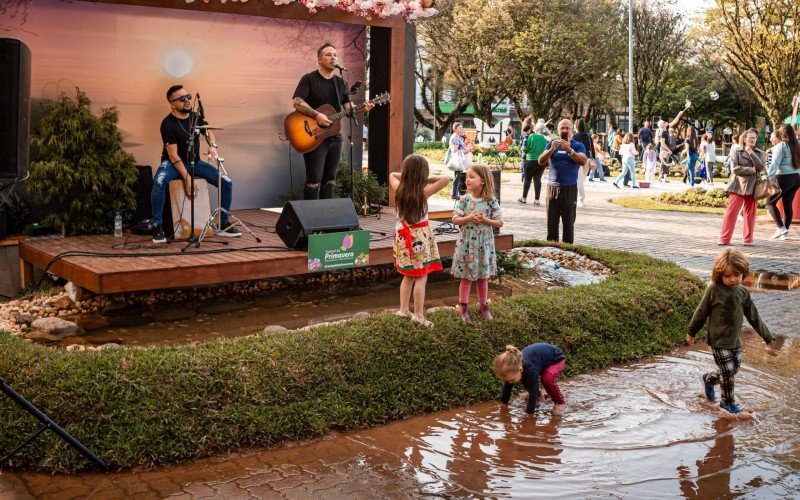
[(746, 164), (628, 151), (785, 168)]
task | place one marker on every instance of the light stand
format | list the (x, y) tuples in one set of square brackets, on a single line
[(217, 213), (48, 425)]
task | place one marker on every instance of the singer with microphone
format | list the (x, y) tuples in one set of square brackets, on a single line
[(316, 88), (176, 128)]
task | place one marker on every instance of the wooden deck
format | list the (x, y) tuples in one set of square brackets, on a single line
[(141, 265)]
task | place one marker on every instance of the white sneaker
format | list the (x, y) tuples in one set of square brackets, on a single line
[(782, 237), (779, 232)]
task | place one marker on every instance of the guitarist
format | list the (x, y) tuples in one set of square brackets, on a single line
[(315, 89)]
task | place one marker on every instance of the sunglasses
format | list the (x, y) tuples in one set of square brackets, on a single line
[(183, 98)]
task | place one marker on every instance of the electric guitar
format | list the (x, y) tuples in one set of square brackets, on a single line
[(305, 134)]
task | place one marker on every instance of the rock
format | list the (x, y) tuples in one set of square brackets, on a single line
[(554, 288), (55, 326), (222, 307), (114, 305), (76, 347), (361, 315), (274, 329), (42, 336), (178, 314), (24, 319), (76, 293), (274, 301), (112, 345), (63, 302), (76, 340), (91, 321)]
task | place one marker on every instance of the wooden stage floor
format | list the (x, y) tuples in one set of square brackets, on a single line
[(242, 259)]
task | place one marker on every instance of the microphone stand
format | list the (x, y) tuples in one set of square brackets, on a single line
[(351, 115), (191, 154)]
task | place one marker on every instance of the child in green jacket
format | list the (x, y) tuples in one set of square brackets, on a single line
[(724, 304)]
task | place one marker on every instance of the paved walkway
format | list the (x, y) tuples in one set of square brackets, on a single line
[(684, 238)]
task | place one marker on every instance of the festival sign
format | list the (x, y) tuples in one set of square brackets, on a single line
[(338, 250)]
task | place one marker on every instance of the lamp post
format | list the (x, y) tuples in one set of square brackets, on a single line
[(630, 66)]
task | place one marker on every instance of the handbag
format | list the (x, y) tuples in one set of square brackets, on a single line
[(456, 161), (766, 188)]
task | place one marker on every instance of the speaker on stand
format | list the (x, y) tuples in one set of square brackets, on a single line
[(302, 218), (15, 111)]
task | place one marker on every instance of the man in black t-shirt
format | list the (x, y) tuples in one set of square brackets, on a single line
[(175, 132), (645, 136), (315, 89)]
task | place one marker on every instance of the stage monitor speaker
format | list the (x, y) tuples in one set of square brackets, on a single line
[(15, 111), (302, 218)]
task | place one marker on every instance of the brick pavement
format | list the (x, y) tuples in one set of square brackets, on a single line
[(686, 239)]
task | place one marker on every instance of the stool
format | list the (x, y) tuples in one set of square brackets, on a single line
[(182, 208)]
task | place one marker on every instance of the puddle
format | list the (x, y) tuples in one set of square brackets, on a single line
[(542, 269), (767, 280), (641, 430)]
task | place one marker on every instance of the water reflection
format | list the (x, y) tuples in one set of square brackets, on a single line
[(713, 476), (767, 280)]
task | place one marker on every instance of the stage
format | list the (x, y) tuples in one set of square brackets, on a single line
[(133, 263)]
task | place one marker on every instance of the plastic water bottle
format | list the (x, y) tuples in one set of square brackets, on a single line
[(118, 224)]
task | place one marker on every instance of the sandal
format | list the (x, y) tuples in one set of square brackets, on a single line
[(404, 315), (424, 322), (522, 200)]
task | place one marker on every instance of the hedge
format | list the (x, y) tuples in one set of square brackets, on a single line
[(159, 405)]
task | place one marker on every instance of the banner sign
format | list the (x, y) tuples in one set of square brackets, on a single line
[(338, 250)]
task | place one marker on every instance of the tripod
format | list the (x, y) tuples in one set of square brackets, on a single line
[(217, 213)]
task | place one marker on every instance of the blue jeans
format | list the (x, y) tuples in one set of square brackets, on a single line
[(202, 170), (456, 184), (628, 167), (690, 167), (599, 172)]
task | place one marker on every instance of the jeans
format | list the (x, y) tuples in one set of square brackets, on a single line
[(599, 172), (629, 168), (456, 184), (789, 184), (321, 166), (166, 172), (690, 167), (561, 204), (533, 171)]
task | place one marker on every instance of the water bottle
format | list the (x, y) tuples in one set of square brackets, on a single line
[(118, 224)]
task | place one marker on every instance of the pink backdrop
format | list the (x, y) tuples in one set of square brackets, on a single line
[(245, 68)]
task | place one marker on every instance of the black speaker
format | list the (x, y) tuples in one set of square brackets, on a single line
[(302, 218), (15, 111)]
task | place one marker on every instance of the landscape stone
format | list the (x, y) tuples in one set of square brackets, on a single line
[(274, 329), (55, 326)]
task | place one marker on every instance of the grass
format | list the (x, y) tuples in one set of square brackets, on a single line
[(159, 405), (651, 203)]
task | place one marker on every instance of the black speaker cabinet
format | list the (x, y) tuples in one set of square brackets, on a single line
[(302, 218), (15, 91)]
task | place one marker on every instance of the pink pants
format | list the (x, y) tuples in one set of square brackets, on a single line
[(549, 376), (735, 203)]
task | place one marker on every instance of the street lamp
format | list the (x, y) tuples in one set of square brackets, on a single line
[(630, 66)]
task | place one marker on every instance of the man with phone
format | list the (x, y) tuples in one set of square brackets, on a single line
[(566, 156)]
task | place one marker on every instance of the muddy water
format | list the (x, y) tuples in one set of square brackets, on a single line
[(183, 323), (636, 431)]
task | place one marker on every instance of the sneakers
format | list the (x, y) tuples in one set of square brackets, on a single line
[(730, 408), (709, 388), (536, 202), (522, 200), (615, 185), (782, 237), (484, 310), (463, 312), (228, 230), (158, 235), (781, 231)]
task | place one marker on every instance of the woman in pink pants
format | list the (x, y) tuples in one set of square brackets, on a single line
[(747, 163), (527, 366)]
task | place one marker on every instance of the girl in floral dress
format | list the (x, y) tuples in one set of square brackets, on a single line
[(415, 251), (478, 213)]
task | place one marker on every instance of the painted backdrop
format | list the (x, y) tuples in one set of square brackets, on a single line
[(245, 69)]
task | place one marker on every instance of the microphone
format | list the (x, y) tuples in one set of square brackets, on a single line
[(339, 66), (355, 87)]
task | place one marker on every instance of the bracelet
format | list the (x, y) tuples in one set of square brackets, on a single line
[(176, 162), (213, 145)]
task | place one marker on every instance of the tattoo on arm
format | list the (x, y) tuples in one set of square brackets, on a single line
[(303, 107)]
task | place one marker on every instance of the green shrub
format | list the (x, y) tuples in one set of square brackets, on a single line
[(83, 175), (366, 184), (419, 146), (699, 197), (152, 406)]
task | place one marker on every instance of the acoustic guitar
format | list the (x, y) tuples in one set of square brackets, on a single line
[(305, 134)]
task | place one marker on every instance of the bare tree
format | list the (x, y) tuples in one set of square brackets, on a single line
[(759, 41), (659, 42)]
